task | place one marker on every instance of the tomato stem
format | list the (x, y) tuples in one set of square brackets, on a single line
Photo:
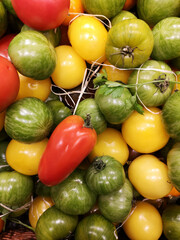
[(98, 165)]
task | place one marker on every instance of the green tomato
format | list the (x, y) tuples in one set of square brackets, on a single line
[(32, 54), (123, 15)]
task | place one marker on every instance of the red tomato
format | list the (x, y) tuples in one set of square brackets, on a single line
[(1, 225), (41, 14), (129, 4), (71, 141), (4, 43), (9, 84)]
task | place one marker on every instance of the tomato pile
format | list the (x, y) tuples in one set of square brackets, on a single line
[(90, 118)]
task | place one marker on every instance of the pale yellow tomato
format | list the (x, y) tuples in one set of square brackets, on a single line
[(38, 206), (23, 157), (110, 142), (115, 74), (2, 117), (70, 68), (87, 36), (149, 176), (145, 133), (34, 88), (143, 223)]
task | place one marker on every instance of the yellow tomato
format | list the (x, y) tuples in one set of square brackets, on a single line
[(149, 176), (24, 158), (76, 6), (38, 206), (87, 36), (110, 142), (145, 133), (115, 74), (143, 223), (34, 88), (70, 68), (2, 117)]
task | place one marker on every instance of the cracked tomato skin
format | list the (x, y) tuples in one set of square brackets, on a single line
[(41, 14), (68, 145)]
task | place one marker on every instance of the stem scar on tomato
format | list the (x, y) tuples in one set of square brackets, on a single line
[(163, 86)]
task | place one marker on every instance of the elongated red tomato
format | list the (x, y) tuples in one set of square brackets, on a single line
[(71, 141), (41, 14)]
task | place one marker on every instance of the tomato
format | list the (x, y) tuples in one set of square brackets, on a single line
[(24, 158), (76, 6), (129, 4), (70, 68), (110, 142), (9, 84), (173, 193), (177, 85), (34, 88), (144, 222), (71, 141), (123, 15), (133, 47), (149, 176), (115, 74), (64, 35), (145, 133), (38, 206), (2, 117), (4, 43), (88, 36), (1, 225), (3, 19), (41, 15)]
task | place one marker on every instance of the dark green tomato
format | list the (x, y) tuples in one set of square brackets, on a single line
[(153, 11), (171, 222), (28, 120), (3, 135), (116, 205), (166, 35), (9, 7), (129, 43), (159, 85), (51, 97), (32, 54), (105, 175), (59, 111), (115, 103), (173, 163), (95, 227), (90, 107), (123, 15), (42, 189), (4, 166), (72, 196), (171, 115), (15, 189), (53, 35), (103, 7), (3, 19), (54, 225)]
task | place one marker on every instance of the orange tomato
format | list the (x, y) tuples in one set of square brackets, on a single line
[(115, 74), (173, 193), (129, 4), (2, 117), (75, 7)]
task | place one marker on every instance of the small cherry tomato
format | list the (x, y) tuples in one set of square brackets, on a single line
[(87, 36), (145, 133), (149, 176), (34, 88), (38, 206), (70, 68), (144, 222), (110, 142), (24, 158)]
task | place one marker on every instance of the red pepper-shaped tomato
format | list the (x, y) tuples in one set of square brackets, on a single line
[(71, 141)]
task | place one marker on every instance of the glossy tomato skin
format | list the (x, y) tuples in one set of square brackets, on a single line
[(4, 43), (9, 84), (69, 144), (41, 15)]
